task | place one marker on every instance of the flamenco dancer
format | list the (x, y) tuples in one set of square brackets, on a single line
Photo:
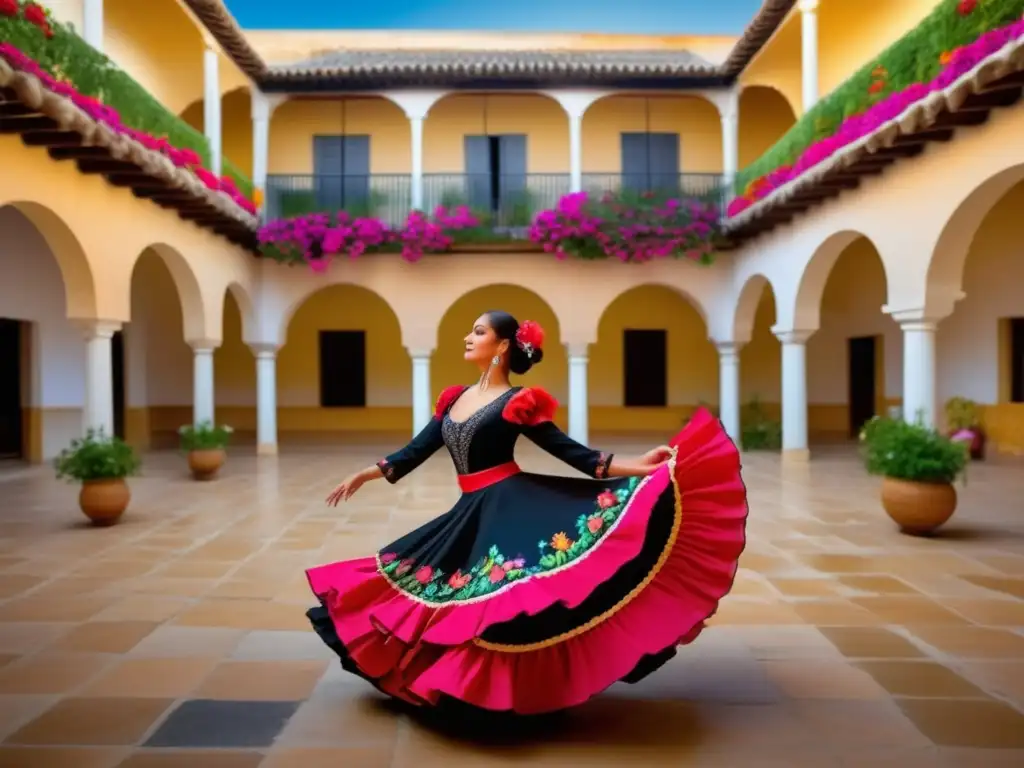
[(535, 592)]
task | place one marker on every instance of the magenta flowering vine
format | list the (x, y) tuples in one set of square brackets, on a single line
[(956, 64), (181, 158), (629, 228), (317, 238)]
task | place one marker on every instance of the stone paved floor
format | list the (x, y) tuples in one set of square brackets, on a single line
[(178, 638)]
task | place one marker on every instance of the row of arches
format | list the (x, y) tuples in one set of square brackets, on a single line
[(838, 291)]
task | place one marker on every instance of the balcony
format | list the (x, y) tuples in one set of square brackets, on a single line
[(703, 187), (506, 203)]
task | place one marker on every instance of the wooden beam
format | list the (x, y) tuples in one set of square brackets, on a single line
[(78, 153), (1016, 80), (23, 124), (990, 100), (106, 167), (51, 138), (17, 109), (960, 119), (928, 135)]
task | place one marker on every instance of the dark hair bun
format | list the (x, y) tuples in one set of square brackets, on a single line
[(519, 363)]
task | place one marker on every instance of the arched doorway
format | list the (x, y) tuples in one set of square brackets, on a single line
[(342, 367), (42, 359), (652, 364)]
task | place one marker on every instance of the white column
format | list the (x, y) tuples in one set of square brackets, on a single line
[(809, 61), (576, 104), (266, 398), (729, 388), (99, 378), (575, 151), (202, 382), (92, 23), (919, 383), (579, 429), (416, 105), (416, 180), (421, 405), (794, 394), (262, 108), (730, 113), (211, 105)]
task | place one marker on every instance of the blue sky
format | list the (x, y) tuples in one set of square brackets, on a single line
[(639, 16)]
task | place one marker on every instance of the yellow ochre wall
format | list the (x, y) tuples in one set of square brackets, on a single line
[(850, 34), (764, 117)]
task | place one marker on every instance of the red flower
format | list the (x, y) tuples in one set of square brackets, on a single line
[(388, 557), (966, 7), (497, 574), (877, 86), (423, 574), (529, 407), (35, 14), (595, 524), (8, 7), (459, 579), (445, 399), (607, 499), (530, 337)]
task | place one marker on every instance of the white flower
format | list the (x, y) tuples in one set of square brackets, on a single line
[(227, 429)]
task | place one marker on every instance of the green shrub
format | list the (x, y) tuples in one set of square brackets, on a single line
[(97, 457), (757, 431), (903, 451), (204, 436), (67, 56), (914, 58)]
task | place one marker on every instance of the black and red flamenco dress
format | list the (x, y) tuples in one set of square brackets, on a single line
[(536, 592)]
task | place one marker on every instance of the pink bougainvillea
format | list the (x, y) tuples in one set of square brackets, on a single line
[(631, 231), (956, 64), (181, 158), (317, 238)]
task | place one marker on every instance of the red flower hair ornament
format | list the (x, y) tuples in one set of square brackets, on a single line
[(530, 338)]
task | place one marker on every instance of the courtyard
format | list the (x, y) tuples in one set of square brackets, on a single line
[(179, 636)]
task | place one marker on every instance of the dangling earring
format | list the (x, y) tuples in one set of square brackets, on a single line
[(485, 378)]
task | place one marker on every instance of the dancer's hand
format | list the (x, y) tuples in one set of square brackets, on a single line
[(345, 490), (656, 456)]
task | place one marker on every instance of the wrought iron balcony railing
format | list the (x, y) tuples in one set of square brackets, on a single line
[(507, 202), (706, 187), (387, 196)]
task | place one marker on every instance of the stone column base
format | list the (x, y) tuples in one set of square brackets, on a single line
[(266, 449), (795, 456)]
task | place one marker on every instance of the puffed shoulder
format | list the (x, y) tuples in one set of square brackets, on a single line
[(446, 398), (530, 406)]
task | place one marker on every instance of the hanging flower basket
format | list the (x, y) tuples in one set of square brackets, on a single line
[(630, 228)]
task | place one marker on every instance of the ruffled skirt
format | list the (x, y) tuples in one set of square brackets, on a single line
[(621, 573)]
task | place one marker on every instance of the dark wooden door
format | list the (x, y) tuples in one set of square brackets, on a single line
[(645, 368), (117, 377), (343, 369), (11, 431), (862, 370)]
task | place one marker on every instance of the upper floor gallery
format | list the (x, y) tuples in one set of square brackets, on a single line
[(338, 119)]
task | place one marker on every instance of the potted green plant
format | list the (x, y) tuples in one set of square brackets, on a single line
[(963, 420), (204, 443), (918, 466), (101, 464)]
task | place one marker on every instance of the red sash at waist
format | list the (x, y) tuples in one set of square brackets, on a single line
[(475, 481)]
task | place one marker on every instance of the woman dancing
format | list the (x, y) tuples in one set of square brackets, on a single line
[(535, 592)]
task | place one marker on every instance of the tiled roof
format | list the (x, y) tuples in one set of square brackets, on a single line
[(531, 64), (418, 66)]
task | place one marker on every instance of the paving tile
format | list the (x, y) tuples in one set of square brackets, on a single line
[(953, 723), (870, 642), (62, 757), (98, 722), (336, 757), (223, 724), (262, 680), (194, 758), (105, 636), (161, 678)]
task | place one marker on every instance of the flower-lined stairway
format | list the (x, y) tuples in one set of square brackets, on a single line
[(906, 74), (40, 95)]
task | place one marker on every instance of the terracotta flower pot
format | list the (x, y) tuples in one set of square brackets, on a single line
[(104, 501), (918, 508), (206, 464)]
